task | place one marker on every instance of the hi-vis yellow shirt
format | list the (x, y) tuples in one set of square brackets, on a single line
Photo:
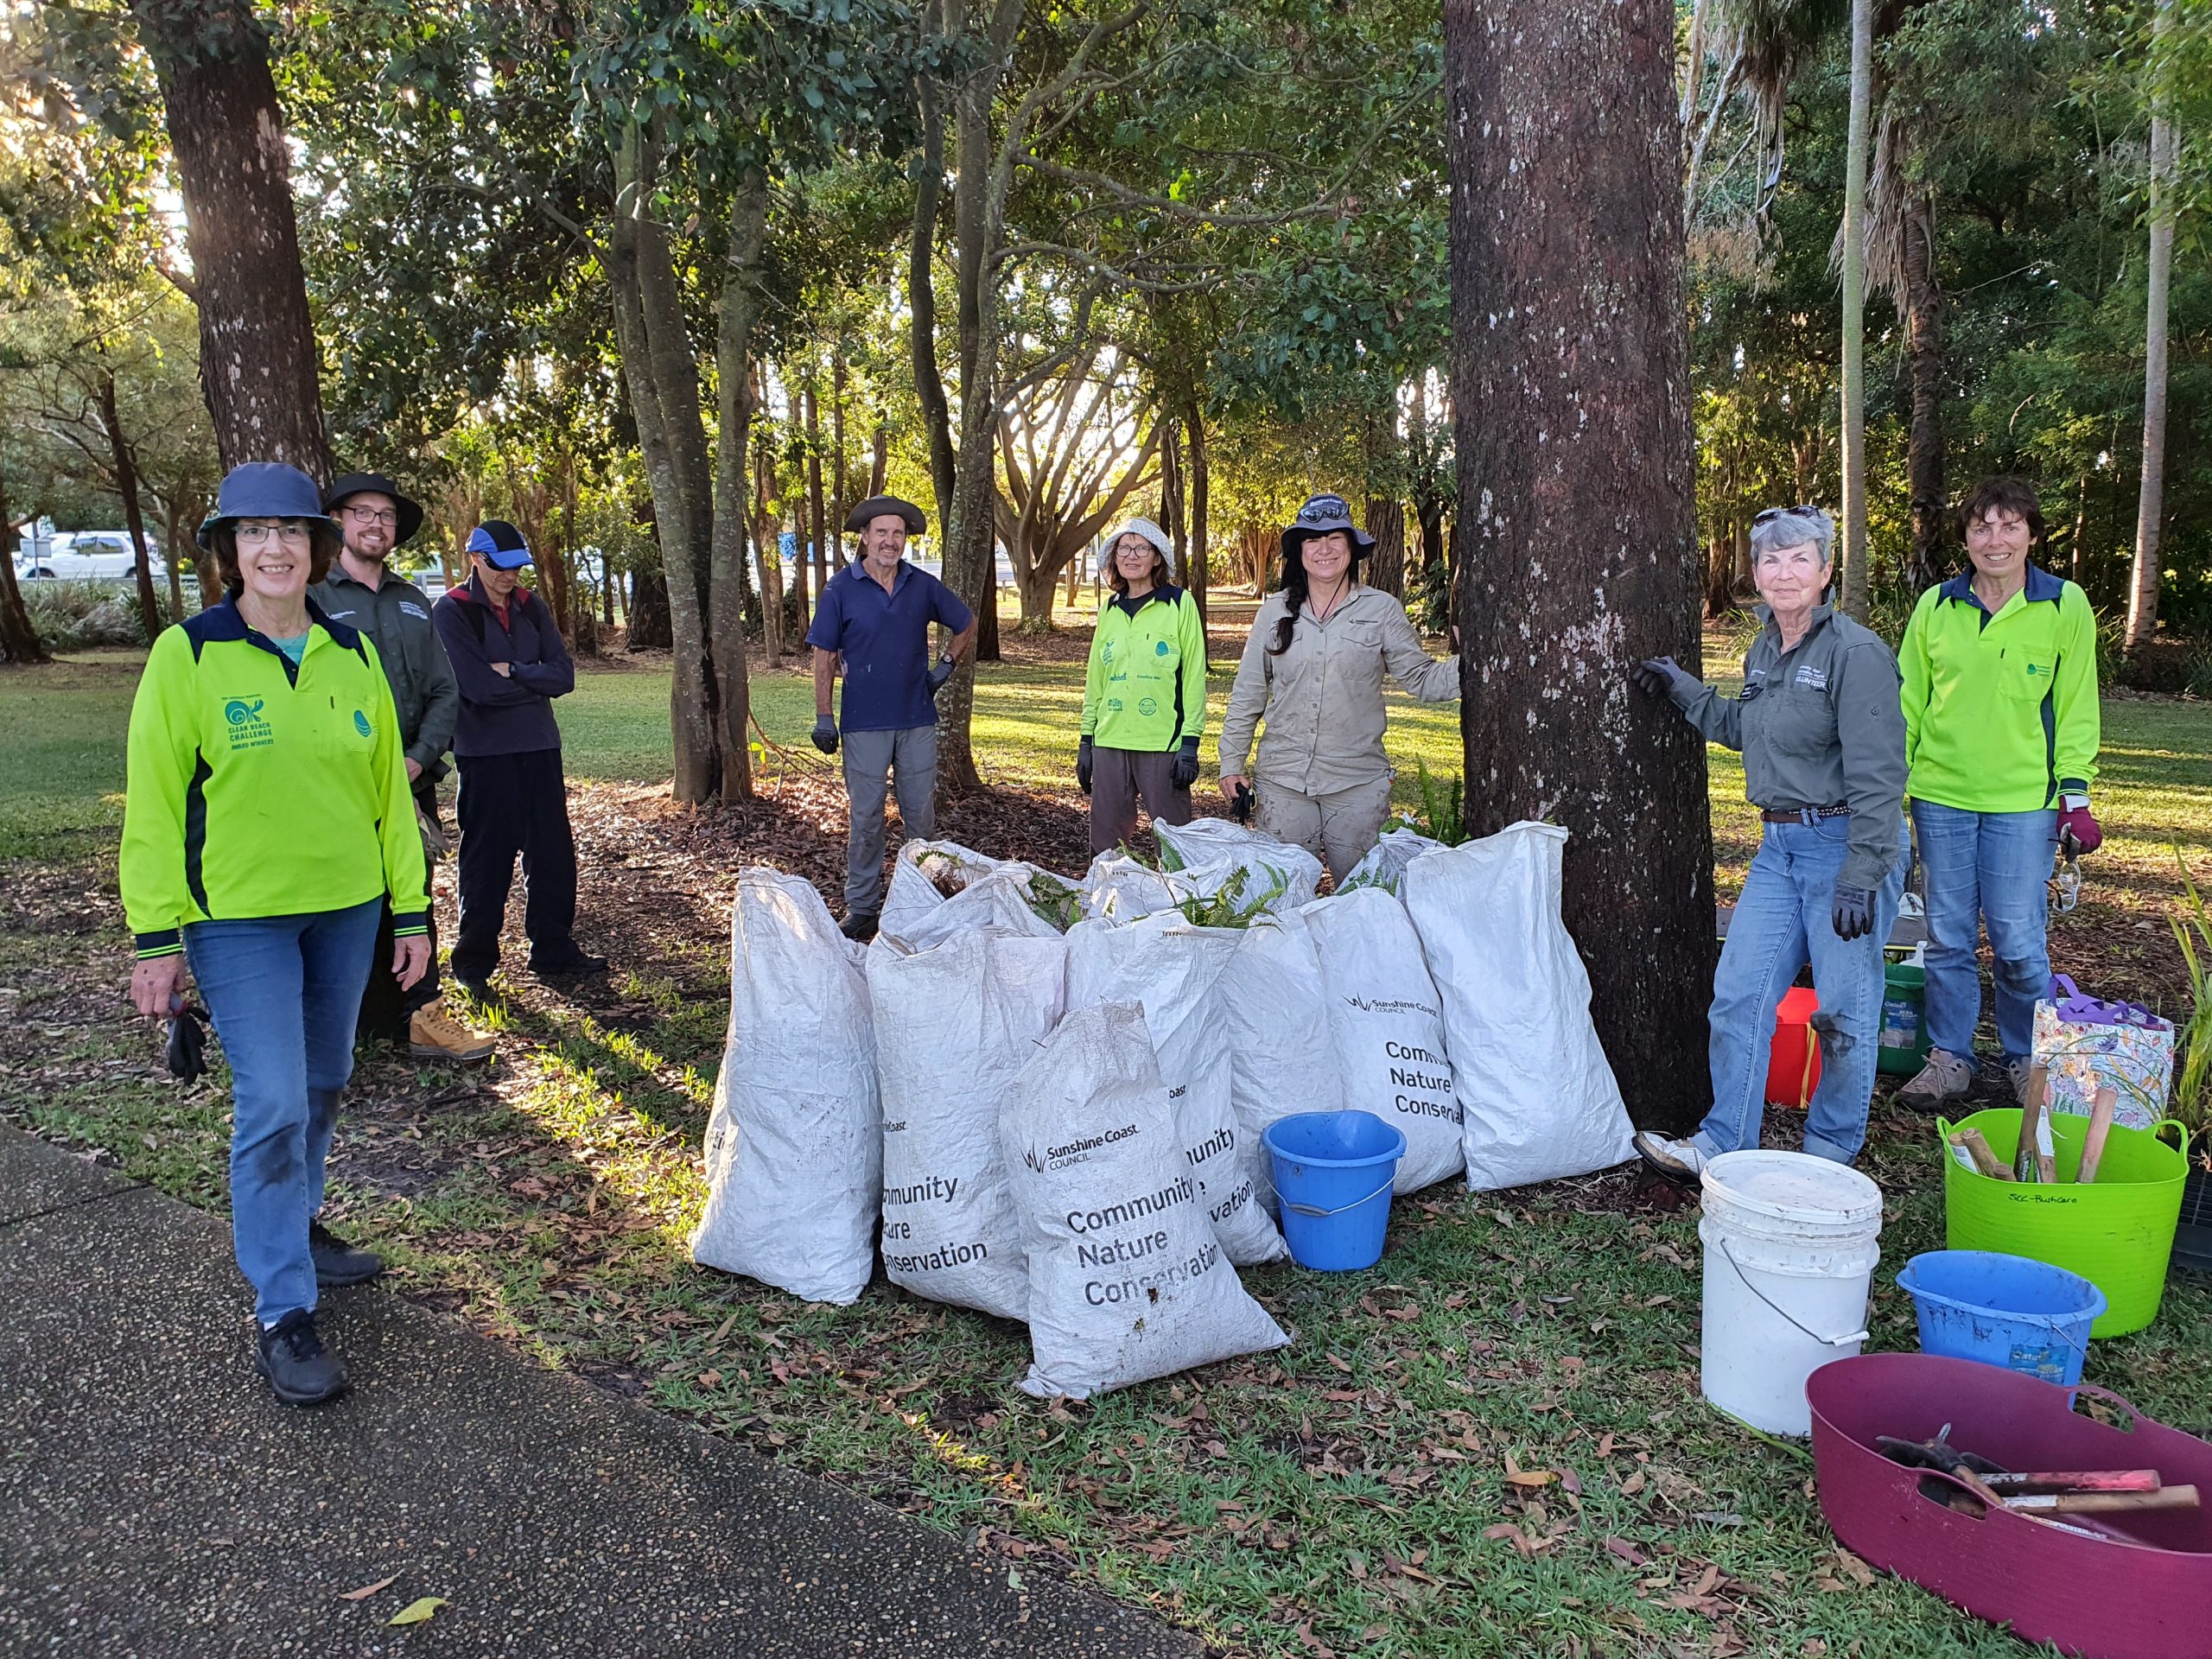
[(256, 788), (2000, 710)]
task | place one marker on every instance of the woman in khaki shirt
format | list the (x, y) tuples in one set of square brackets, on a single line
[(1312, 672)]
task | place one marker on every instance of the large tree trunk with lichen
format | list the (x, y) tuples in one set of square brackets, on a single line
[(1571, 400), (259, 365)]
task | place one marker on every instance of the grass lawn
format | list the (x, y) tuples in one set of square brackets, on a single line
[(1352, 1493)]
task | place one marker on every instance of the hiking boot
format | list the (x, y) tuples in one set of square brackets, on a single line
[(300, 1369), (1679, 1161), (432, 1036), (578, 964), (2019, 1071), (859, 926), (1945, 1078), (338, 1264)]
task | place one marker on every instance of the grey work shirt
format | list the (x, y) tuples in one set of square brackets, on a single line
[(1818, 725), (396, 614), (1322, 698)]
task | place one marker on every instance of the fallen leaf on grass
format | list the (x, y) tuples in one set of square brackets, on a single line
[(419, 1610), (1626, 1551), (368, 1590)]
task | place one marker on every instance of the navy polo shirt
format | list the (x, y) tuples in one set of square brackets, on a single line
[(885, 640)]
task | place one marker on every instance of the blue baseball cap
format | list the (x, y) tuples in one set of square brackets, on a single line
[(265, 489), (500, 543)]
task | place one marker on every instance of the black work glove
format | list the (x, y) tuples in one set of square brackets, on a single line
[(186, 1054), (1854, 912), (1185, 770), (825, 734), (939, 675), (1083, 766), (1241, 807), (1658, 676)]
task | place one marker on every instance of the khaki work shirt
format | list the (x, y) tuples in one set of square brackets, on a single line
[(1322, 699)]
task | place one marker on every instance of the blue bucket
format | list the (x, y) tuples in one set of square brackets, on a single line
[(2003, 1309), (1333, 1171)]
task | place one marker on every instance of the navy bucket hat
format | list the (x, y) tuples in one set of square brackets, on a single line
[(500, 543), (1321, 514), (265, 489)]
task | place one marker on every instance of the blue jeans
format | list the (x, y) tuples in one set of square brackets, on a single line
[(282, 991), (1989, 867), (1783, 920)]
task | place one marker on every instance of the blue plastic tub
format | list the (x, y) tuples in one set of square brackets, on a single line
[(1333, 1171), (2003, 1309)]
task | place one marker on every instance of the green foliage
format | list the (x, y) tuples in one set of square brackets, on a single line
[(73, 615), (2192, 1095), (1441, 814)]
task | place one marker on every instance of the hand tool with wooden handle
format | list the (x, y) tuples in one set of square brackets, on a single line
[(2166, 1498), (2092, 1144), (2076, 1480), (2033, 1163)]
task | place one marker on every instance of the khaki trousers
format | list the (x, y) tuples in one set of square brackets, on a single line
[(1339, 827)]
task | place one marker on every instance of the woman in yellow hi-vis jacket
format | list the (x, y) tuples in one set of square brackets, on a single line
[(1144, 697)]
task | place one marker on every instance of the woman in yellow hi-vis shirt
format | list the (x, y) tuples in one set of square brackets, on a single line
[(2001, 736), (267, 819), (1144, 696)]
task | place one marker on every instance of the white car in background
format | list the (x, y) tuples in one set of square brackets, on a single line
[(87, 556)]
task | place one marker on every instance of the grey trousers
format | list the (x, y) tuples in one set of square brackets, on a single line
[(1339, 829), (1117, 778), (909, 757)]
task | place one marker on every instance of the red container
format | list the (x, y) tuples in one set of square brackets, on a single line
[(2149, 1598), (1793, 1065)]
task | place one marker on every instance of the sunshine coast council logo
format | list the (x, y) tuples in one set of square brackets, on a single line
[(248, 729)]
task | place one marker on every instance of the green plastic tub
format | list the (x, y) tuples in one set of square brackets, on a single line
[(2117, 1233)]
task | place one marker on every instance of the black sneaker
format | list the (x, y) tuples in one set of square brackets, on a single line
[(860, 925), (338, 1264), (300, 1369), (582, 965)]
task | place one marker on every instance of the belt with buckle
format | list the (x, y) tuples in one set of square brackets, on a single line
[(1801, 814)]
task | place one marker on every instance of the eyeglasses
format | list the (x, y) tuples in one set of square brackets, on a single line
[(1767, 515), (251, 533), (384, 516)]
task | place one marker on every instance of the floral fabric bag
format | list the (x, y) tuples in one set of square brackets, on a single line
[(2087, 1045)]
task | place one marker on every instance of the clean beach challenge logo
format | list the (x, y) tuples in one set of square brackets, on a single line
[(248, 729)]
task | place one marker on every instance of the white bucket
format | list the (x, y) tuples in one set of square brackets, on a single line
[(1789, 1251)]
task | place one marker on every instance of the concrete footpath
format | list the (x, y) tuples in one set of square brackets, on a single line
[(156, 1501)]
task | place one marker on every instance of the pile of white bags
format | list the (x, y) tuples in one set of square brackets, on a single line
[(1127, 1281), (1211, 854), (1388, 1028), (1540, 1101), (1169, 968), (954, 1023), (1274, 1010), (988, 891), (1385, 864), (794, 1149), (1118, 888)]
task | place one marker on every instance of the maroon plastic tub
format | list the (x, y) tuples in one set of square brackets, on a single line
[(2149, 1596)]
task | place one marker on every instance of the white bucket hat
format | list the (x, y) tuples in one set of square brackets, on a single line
[(1143, 527)]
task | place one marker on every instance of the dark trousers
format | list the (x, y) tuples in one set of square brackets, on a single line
[(385, 1006), (510, 805), (1118, 777)]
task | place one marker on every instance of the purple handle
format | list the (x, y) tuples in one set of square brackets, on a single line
[(2080, 1010)]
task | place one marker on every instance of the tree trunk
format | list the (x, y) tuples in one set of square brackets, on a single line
[(1924, 346), (1386, 565), (1719, 574), (733, 379), (880, 461), (1036, 580), (971, 567), (19, 641), (1194, 422), (658, 364), (816, 510), (649, 627), (1171, 504), (259, 368), (921, 304), (2143, 586), (126, 485), (1571, 403), (841, 503), (1857, 589)]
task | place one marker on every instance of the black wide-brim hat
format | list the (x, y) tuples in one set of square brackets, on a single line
[(876, 505), (353, 484), (1321, 514)]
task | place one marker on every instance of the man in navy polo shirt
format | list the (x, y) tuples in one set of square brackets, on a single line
[(872, 623)]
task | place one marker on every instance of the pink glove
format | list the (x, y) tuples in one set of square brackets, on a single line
[(2077, 828)]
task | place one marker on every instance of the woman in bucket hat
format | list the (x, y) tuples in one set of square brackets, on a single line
[(1312, 675), (1144, 696), (267, 820)]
